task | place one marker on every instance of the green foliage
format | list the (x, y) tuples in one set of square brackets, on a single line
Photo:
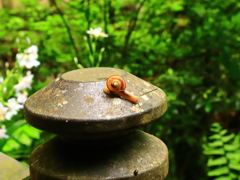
[(17, 137), (223, 150), (188, 48), (22, 139)]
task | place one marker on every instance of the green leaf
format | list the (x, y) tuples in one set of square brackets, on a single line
[(176, 6), (233, 155), (237, 139), (223, 178), (11, 145), (16, 22), (16, 125), (234, 175), (170, 71), (23, 138), (215, 127), (216, 143), (231, 147), (215, 136), (227, 138), (208, 107), (217, 162), (32, 132), (218, 171), (234, 165), (199, 9), (214, 152), (223, 132), (236, 20)]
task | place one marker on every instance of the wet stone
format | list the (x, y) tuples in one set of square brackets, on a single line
[(77, 98), (116, 159), (97, 136)]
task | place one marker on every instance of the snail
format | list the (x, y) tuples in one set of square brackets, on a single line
[(116, 85)]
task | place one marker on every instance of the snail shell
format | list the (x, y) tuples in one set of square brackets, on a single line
[(116, 83), (116, 86)]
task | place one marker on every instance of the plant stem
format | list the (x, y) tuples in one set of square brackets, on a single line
[(131, 26), (87, 13), (66, 26), (105, 6)]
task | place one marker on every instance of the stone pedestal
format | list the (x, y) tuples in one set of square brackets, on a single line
[(96, 133), (135, 156)]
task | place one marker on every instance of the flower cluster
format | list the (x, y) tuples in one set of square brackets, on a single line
[(29, 57), (96, 32), (10, 107)]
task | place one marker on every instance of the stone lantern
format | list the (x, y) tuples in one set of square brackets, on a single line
[(97, 136)]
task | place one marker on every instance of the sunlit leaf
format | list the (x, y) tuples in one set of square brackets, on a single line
[(216, 143), (218, 171), (231, 147), (227, 138), (214, 152), (215, 137), (11, 145), (233, 155), (223, 132), (217, 161), (235, 165), (23, 138), (176, 6), (223, 178), (32, 132)]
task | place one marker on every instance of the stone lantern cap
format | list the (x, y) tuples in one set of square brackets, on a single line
[(74, 106)]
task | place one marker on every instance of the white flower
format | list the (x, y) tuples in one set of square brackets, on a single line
[(29, 58), (97, 32), (3, 110), (24, 83), (3, 133), (1, 80), (22, 97), (32, 49), (10, 114), (13, 106)]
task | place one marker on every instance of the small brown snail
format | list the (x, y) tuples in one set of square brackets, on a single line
[(116, 85)]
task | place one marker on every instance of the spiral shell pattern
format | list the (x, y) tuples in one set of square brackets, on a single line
[(116, 83)]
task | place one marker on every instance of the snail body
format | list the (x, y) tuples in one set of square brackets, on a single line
[(116, 85)]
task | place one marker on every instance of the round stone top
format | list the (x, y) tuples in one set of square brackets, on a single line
[(92, 74), (74, 106)]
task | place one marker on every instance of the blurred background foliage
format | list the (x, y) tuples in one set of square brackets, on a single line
[(188, 48)]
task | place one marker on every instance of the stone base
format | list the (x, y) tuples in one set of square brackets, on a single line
[(135, 156), (11, 169)]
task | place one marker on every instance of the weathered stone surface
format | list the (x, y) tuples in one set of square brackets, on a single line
[(136, 156), (74, 106), (10, 169), (97, 137)]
